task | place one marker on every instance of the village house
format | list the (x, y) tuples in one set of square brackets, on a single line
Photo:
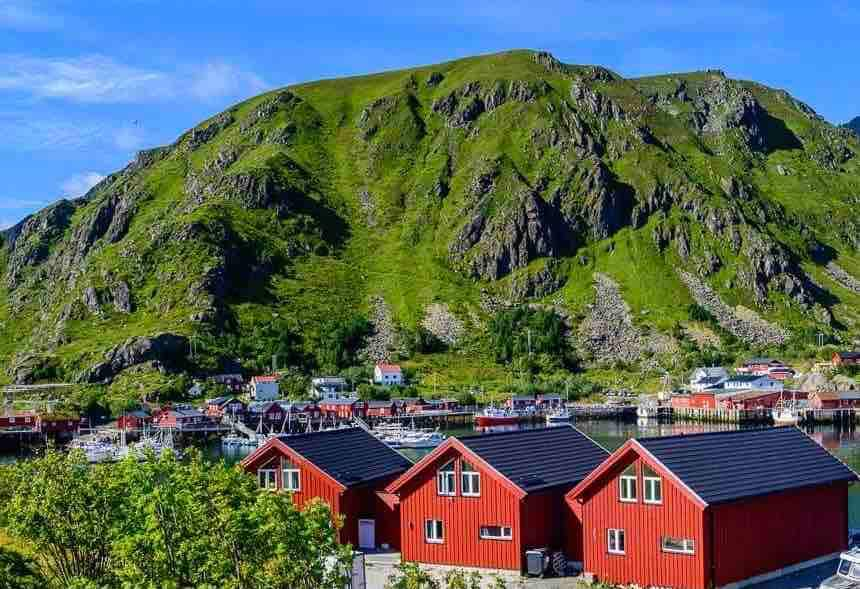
[(708, 510), (482, 501), (410, 404), (343, 409), (180, 418), (263, 388), (328, 387), (549, 401), (706, 399), (381, 408), (752, 400), (346, 468), (755, 382), (708, 377), (59, 423), (136, 419), (819, 400), (18, 420), (268, 416), (301, 410), (387, 375), (846, 359), (442, 405), (520, 402), (759, 366), (234, 382), (226, 405)]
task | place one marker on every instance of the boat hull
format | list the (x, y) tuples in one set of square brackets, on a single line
[(489, 421)]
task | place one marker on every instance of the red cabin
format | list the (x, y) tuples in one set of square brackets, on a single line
[(834, 400), (346, 468), (180, 418), (482, 501), (343, 408), (19, 420), (381, 408), (846, 359), (221, 406), (702, 400), (708, 510), (55, 423), (752, 400), (134, 420)]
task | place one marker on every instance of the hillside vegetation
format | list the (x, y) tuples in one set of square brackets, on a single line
[(662, 220)]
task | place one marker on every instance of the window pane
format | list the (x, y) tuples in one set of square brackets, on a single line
[(621, 540)]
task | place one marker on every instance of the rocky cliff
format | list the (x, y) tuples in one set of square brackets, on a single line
[(408, 199)]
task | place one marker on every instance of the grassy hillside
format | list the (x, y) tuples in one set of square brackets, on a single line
[(324, 222)]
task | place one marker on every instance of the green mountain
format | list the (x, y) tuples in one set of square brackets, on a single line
[(413, 214), (854, 125)]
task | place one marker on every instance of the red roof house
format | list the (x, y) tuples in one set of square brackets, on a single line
[(482, 501), (846, 359), (346, 468), (18, 420), (708, 510), (343, 408), (134, 420)]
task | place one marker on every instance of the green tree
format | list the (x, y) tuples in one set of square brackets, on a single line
[(68, 511), (18, 571)]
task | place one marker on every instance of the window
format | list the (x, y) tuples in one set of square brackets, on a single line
[(496, 533), (267, 479), (615, 541), (434, 531), (470, 480), (446, 480), (291, 476), (653, 486), (679, 545), (627, 484)]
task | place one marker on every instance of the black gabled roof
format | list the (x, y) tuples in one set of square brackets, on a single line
[(351, 456), (535, 459), (730, 465)]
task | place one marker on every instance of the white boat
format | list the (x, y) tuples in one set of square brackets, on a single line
[(847, 572), (96, 449), (786, 412), (157, 444), (561, 415), (396, 435)]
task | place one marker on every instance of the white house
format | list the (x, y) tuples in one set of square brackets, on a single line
[(263, 388), (387, 375), (708, 377), (754, 383), (327, 388)]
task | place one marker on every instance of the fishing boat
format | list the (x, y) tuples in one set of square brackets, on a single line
[(491, 416), (560, 415), (97, 449), (786, 412), (847, 572), (396, 435)]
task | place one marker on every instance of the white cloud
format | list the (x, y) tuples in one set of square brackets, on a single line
[(101, 79), (219, 79), (79, 184)]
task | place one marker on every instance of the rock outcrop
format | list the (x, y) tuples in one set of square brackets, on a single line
[(166, 351), (743, 324), (444, 325)]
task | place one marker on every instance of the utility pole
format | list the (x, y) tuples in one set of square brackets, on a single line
[(530, 342)]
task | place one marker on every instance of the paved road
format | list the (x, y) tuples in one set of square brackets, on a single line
[(379, 566)]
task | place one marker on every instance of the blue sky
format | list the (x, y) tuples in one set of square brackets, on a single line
[(85, 84)]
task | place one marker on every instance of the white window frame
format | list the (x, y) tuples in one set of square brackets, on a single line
[(271, 476), (288, 475), (613, 535), (688, 545), (649, 483), (434, 531), (446, 480), (506, 533), (474, 478), (625, 483)]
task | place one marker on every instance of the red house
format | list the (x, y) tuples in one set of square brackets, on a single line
[(751, 400), (18, 420), (834, 400), (482, 501), (180, 418), (381, 408), (56, 423), (226, 405), (134, 420), (343, 408), (846, 359), (707, 510), (345, 468), (702, 400)]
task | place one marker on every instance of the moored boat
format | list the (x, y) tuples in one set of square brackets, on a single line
[(491, 416), (786, 412), (561, 415)]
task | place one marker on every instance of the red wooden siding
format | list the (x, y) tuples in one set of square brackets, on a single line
[(462, 516), (542, 525), (644, 526), (763, 534), (362, 502)]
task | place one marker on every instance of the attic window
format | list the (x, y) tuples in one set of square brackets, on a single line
[(627, 484), (470, 482), (291, 475), (653, 486), (446, 481)]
